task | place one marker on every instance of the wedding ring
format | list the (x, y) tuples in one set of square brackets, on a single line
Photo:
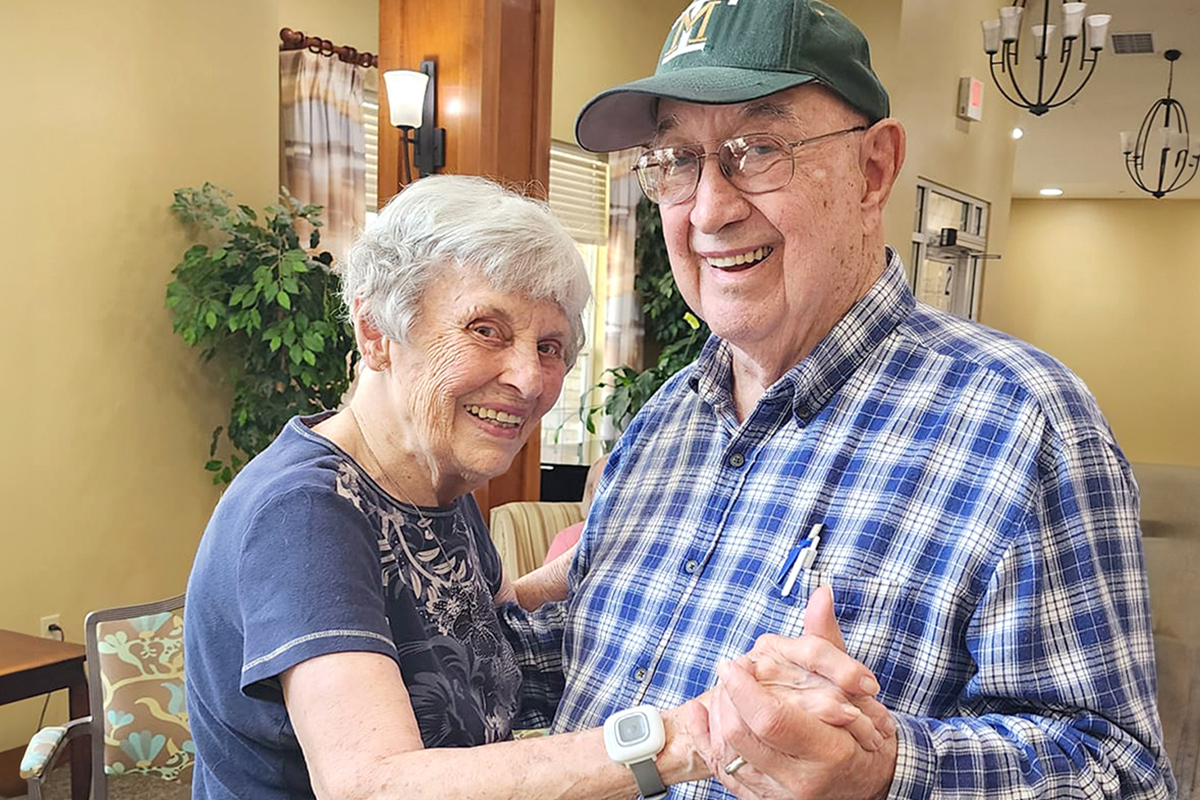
[(735, 765)]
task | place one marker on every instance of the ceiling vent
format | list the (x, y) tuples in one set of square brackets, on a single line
[(1129, 44)]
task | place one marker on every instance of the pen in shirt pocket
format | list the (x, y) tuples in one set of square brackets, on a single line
[(799, 558)]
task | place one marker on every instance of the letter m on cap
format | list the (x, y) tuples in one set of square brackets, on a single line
[(690, 31)]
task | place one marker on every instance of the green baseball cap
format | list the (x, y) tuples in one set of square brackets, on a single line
[(730, 51)]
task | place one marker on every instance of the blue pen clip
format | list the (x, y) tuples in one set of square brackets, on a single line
[(800, 557)]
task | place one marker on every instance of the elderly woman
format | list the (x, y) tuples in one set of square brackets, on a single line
[(340, 609)]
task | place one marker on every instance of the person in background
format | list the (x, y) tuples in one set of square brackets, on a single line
[(342, 639), (957, 491), (568, 537)]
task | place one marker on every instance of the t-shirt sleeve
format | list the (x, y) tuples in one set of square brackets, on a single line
[(308, 585)]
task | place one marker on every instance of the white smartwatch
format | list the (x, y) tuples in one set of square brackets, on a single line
[(633, 737)]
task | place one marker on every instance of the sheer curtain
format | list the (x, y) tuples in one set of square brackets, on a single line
[(623, 310), (323, 149)]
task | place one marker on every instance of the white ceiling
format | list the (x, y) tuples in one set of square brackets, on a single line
[(1077, 147)]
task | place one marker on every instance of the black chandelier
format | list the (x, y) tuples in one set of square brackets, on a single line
[(1178, 153), (1001, 41)]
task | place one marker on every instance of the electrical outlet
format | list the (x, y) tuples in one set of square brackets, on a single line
[(44, 626)]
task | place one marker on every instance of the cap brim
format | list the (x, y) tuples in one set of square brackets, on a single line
[(627, 115)]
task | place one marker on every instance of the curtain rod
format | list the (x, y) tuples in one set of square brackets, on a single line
[(296, 40)]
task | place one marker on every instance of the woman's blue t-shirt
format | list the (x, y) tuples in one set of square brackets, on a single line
[(306, 555)]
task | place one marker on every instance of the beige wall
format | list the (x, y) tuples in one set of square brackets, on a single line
[(343, 22), (1112, 288), (598, 45), (108, 109)]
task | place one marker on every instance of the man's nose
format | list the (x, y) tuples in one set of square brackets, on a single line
[(717, 202)]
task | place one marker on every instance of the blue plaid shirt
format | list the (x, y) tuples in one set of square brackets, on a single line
[(980, 536)]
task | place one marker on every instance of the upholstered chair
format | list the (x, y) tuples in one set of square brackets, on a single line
[(138, 727)]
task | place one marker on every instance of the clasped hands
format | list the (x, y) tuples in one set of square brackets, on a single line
[(796, 718)]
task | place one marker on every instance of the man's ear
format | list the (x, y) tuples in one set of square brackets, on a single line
[(880, 159), (371, 341)]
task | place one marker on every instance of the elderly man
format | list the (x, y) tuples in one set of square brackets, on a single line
[(958, 490)]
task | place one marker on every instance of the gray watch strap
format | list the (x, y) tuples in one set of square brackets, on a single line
[(649, 782)]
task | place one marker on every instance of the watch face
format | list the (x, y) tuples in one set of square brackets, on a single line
[(632, 729)]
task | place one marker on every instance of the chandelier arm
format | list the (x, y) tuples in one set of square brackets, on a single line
[(1139, 148), (1162, 170), (1181, 125), (1180, 169), (1195, 164), (1043, 55), (1078, 88), (1062, 75), (1130, 167), (1143, 139), (1000, 88), (1012, 80)]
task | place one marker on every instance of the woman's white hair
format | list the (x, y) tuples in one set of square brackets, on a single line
[(514, 243)]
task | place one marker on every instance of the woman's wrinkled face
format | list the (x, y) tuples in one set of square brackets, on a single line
[(479, 371)]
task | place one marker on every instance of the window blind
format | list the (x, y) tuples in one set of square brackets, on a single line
[(578, 192)]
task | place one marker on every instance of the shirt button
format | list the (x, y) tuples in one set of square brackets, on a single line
[(736, 460), (804, 413), (639, 674), (690, 565)]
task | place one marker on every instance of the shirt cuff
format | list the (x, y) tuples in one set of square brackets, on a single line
[(915, 762)]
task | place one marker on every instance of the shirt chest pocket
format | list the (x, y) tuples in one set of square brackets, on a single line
[(872, 614)]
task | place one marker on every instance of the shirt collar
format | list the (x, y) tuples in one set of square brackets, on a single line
[(811, 383)]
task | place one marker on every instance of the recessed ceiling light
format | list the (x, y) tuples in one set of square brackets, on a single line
[(1050, 192), (1018, 133)]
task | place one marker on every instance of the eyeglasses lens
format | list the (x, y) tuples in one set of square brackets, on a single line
[(753, 164)]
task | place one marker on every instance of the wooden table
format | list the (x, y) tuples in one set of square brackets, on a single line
[(30, 667)]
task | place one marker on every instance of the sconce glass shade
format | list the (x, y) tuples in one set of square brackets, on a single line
[(1097, 30), (406, 96), (1042, 34), (1073, 20), (991, 36), (1010, 23), (1126, 142)]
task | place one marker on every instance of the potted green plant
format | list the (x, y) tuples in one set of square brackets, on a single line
[(265, 308)]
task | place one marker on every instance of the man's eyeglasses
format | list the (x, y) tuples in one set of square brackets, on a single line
[(754, 163)]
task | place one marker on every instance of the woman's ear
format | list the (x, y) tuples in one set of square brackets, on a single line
[(371, 341), (880, 159)]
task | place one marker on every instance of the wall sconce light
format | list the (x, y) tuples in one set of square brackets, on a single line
[(411, 96)]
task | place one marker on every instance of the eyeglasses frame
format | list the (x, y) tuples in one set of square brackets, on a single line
[(791, 152)]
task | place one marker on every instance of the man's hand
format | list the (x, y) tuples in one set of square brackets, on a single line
[(775, 709)]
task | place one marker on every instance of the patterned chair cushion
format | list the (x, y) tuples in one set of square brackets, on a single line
[(41, 746), (145, 719)]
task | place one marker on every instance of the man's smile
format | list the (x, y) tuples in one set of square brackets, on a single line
[(740, 261)]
